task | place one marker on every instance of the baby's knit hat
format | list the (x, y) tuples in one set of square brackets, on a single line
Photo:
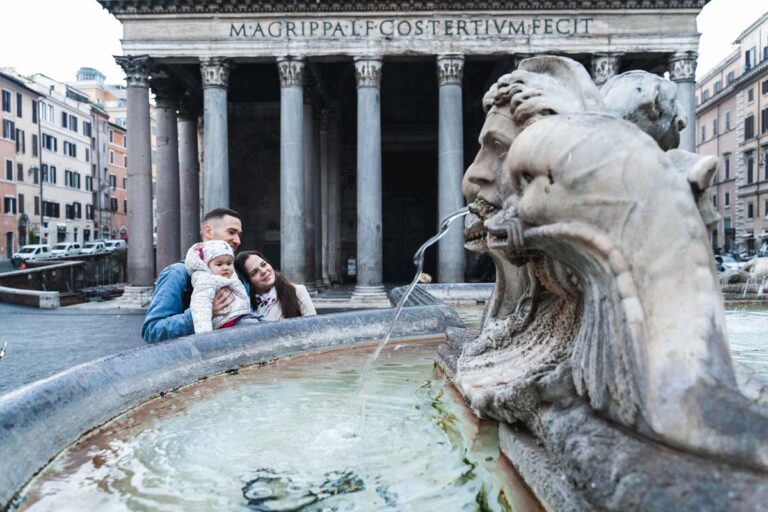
[(200, 254)]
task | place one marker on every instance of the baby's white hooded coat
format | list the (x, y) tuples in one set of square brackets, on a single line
[(205, 284)]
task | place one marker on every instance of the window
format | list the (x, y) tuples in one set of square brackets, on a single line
[(704, 95), (113, 181), (715, 127), (125, 206), (714, 201), (765, 87), (49, 173), (111, 156), (749, 127), (37, 205), (73, 123), (750, 211), (70, 149), (34, 144), (750, 95), (20, 172), (64, 120), (10, 205), (718, 86), (21, 141), (50, 143), (111, 136), (19, 105), (87, 155), (749, 59), (21, 203), (125, 183), (728, 120), (89, 183), (89, 216), (34, 112), (125, 160), (727, 165), (765, 208), (9, 169), (730, 77), (78, 210), (68, 212), (764, 120), (86, 128), (9, 129), (51, 209), (703, 133), (113, 204), (6, 101), (749, 157), (35, 175)]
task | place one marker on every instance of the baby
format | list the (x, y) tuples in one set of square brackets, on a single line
[(211, 266)]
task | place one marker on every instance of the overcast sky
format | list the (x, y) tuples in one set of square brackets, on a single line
[(56, 37)]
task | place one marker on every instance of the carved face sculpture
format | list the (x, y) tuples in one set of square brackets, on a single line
[(540, 87), (650, 102)]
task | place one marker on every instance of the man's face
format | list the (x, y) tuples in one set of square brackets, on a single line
[(226, 228)]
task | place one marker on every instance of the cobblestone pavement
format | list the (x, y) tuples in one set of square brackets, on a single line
[(44, 342)]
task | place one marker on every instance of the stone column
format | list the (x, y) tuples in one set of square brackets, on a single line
[(324, 227), (310, 170), (215, 74), (333, 162), (682, 70), (167, 144), (189, 174), (450, 69), (604, 66), (316, 185), (369, 228), (141, 261), (292, 239)]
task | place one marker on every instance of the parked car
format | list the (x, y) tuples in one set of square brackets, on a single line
[(725, 262), (34, 252), (65, 249), (112, 245), (93, 248)]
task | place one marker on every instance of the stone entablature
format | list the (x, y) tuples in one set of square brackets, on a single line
[(266, 35), (214, 6)]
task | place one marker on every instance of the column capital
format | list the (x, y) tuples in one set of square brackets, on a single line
[(450, 69), (604, 66), (291, 71), (166, 91), (137, 69), (682, 66), (189, 107), (368, 71), (215, 72)]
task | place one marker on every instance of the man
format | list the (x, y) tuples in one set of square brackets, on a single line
[(169, 316)]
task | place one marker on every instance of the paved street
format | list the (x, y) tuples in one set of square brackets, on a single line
[(44, 342)]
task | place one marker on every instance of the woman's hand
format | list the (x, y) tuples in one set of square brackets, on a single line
[(222, 300)]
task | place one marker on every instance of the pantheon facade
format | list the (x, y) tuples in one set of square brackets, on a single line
[(340, 130)]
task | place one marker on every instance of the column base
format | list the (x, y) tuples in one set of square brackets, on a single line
[(136, 296), (363, 293)]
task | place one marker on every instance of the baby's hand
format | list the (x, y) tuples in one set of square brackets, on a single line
[(222, 300)]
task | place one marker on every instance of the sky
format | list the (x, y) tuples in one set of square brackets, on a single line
[(57, 37)]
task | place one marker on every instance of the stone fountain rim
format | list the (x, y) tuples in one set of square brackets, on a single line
[(41, 419)]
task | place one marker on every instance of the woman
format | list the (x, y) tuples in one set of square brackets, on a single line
[(273, 297)]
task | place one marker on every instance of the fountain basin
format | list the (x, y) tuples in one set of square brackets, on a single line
[(38, 421)]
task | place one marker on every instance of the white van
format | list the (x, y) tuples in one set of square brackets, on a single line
[(65, 249), (32, 252), (113, 245), (93, 248)]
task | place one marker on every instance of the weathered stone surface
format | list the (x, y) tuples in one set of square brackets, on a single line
[(599, 340)]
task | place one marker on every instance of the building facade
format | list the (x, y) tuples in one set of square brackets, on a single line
[(341, 132), (20, 156), (117, 181), (732, 123)]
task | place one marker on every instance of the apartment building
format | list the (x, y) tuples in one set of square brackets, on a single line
[(732, 123), (117, 180), (65, 170), (752, 168), (716, 135), (20, 157)]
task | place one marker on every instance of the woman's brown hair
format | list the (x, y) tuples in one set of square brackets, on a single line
[(286, 292)]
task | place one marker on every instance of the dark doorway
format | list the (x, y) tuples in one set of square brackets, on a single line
[(409, 211)]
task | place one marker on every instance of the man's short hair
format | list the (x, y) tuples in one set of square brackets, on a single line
[(220, 213)]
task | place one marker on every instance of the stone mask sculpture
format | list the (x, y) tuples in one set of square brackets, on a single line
[(606, 300)]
